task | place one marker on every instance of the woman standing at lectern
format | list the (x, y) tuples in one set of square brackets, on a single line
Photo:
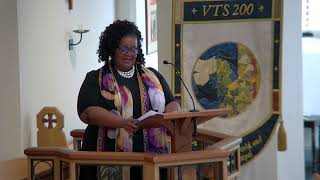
[(112, 97)]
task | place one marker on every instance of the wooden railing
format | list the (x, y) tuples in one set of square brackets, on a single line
[(216, 156), (210, 140), (210, 164)]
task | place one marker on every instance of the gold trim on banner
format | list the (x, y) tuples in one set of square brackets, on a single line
[(183, 103), (272, 65), (173, 35), (277, 6), (176, 16), (272, 13), (280, 3), (280, 57), (233, 20)]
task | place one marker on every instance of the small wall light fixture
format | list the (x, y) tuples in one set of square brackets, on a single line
[(79, 31)]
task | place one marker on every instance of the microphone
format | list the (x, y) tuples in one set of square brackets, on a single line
[(194, 119)]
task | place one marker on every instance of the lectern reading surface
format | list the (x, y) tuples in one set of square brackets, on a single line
[(179, 125)]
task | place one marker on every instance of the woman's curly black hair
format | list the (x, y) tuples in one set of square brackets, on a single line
[(110, 40)]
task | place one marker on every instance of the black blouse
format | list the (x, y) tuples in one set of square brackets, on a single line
[(89, 95)]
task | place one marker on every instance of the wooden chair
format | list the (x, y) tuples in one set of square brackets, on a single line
[(50, 123)]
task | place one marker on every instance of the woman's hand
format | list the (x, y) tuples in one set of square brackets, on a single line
[(129, 126)]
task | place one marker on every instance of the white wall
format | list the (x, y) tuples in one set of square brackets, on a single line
[(269, 164), (134, 10), (311, 76), (125, 9), (50, 74), (165, 38), (291, 162), (9, 81)]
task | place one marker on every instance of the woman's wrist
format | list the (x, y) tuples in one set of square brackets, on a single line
[(121, 122)]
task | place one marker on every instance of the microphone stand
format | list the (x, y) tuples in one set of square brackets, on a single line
[(193, 119), (194, 122)]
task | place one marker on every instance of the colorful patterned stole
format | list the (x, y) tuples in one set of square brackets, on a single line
[(151, 92)]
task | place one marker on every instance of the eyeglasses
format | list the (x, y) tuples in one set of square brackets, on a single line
[(125, 50)]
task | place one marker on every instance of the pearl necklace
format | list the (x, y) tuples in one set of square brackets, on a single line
[(127, 74)]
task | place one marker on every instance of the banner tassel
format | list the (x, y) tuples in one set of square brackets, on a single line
[(282, 137)]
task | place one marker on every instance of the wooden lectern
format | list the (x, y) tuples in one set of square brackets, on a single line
[(180, 126)]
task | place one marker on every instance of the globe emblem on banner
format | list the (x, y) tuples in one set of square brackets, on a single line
[(226, 75)]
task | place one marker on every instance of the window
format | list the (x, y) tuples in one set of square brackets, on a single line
[(310, 15)]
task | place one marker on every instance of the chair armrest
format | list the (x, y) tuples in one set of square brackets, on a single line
[(77, 135)]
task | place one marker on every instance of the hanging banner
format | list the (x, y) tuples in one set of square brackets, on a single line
[(229, 55)]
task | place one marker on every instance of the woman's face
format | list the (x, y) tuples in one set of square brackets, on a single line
[(126, 53)]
